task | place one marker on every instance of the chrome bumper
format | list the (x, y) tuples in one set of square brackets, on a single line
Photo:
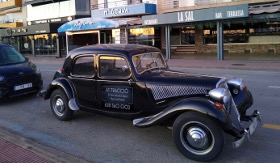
[(248, 131)]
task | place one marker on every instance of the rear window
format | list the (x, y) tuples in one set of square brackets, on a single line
[(9, 55), (84, 66)]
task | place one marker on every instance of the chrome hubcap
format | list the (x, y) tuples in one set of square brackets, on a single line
[(197, 138), (58, 107)]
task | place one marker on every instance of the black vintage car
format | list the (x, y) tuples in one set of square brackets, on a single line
[(18, 76), (134, 82)]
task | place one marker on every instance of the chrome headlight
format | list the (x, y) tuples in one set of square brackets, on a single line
[(1, 78), (237, 85), (220, 95)]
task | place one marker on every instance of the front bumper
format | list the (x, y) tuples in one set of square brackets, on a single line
[(253, 119)]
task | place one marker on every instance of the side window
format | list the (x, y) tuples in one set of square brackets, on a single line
[(84, 66), (113, 67)]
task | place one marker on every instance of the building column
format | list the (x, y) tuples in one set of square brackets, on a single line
[(167, 42), (57, 47), (33, 46), (220, 40)]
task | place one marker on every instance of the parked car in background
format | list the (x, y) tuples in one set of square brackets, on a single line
[(18, 76), (134, 82)]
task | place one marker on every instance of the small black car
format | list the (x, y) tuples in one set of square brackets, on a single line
[(18, 76), (134, 82)]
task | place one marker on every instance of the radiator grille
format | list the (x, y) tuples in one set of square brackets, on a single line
[(231, 107), (162, 92)]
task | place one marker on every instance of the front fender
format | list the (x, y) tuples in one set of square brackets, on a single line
[(202, 105), (243, 100), (61, 83)]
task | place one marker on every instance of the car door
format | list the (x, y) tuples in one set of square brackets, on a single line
[(116, 88), (82, 75)]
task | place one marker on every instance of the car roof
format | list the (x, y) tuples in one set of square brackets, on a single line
[(125, 49), (4, 45)]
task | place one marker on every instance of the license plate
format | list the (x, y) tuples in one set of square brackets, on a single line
[(24, 86), (253, 126)]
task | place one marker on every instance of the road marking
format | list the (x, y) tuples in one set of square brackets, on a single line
[(271, 126), (278, 87)]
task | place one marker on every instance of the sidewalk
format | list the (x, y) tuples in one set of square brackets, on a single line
[(16, 149), (226, 64), (198, 63)]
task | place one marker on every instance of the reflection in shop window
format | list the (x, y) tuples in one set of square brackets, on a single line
[(182, 35), (45, 44), (145, 36), (244, 33), (25, 45)]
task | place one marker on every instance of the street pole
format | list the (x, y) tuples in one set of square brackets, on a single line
[(220, 40)]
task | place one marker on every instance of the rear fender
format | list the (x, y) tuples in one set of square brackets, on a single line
[(201, 105), (63, 84), (67, 87)]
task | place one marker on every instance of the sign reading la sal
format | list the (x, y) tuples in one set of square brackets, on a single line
[(218, 13)]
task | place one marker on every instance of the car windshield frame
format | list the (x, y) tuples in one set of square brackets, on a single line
[(148, 61), (9, 55)]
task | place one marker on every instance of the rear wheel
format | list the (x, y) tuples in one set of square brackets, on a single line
[(59, 105), (197, 136)]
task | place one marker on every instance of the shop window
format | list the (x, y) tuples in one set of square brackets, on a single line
[(84, 66), (145, 36), (13, 41), (25, 45), (241, 33), (187, 36), (45, 44), (182, 36), (83, 39)]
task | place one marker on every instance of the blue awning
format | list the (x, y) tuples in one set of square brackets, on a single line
[(87, 24)]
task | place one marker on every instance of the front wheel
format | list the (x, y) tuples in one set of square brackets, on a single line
[(59, 105), (197, 136)]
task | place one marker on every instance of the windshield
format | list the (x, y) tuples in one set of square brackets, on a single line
[(9, 55), (147, 61)]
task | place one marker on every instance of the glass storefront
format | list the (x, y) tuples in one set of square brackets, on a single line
[(182, 35), (26, 45), (81, 39), (13, 41), (45, 44), (243, 32), (145, 36)]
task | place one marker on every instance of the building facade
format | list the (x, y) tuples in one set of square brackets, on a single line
[(37, 34), (112, 21), (253, 30)]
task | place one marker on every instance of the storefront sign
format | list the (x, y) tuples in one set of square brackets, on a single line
[(219, 13), (138, 9), (64, 19), (87, 24)]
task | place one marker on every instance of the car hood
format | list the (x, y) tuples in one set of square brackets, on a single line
[(166, 84), (11, 70)]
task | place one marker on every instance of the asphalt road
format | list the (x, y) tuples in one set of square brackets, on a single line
[(96, 138)]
